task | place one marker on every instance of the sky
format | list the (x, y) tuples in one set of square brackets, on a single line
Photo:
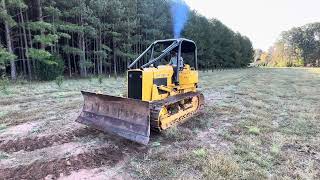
[(261, 20)]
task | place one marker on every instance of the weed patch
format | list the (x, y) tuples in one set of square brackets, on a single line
[(299, 127), (3, 114), (59, 81), (201, 121), (3, 155), (254, 130), (208, 165), (100, 79), (2, 127), (275, 149), (4, 83), (201, 153), (178, 134)]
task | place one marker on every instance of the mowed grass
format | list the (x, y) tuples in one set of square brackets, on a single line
[(35, 101), (259, 123)]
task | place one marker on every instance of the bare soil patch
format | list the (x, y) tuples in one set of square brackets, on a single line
[(61, 167), (33, 143)]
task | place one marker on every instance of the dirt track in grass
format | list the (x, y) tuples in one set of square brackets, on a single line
[(257, 123), (33, 143)]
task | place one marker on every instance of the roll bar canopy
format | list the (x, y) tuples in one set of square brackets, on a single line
[(180, 45)]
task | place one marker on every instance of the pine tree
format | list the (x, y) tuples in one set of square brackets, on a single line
[(8, 23), (103, 37)]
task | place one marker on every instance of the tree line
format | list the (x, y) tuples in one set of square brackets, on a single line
[(42, 39), (299, 46)]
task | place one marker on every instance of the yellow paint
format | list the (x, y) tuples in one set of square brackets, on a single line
[(168, 120), (188, 79), (147, 84)]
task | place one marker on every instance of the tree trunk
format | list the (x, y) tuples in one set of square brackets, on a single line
[(30, 42), (73, 55), (69, 65), (39, 9), (24, 68), (9, 44), (95, 57), (26, 44), (82, 45), (29, 33), (40, 18), (100, 44), (69, 61), (114, 57), (83, 69)]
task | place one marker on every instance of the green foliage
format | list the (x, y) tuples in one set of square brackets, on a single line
[(218, 46), (2, 127), (39, 54), (5, 57), (17, 4), (4, 83), (254, 130), (101, 54), (48, 39), (300, 62), (5, 17), (285, 56), (275, 149), (296, 47), (107, 48), (59, 81), (281, 63), (50, 68), (201, 153), (72, 28), (100, 79), (41, 26), (64, 35), (99, 36), (2, 154), (86, 64), (303, 42), (90, 31), (53, 11), (3, 114), (72, 50)]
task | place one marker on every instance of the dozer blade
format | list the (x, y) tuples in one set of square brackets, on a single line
[(125, 117)]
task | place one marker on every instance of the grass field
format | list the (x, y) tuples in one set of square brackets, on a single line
[(257, 124)]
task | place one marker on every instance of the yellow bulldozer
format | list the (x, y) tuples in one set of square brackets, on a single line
[(161, 92)]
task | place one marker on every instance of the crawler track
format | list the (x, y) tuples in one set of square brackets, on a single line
[(156, 107)]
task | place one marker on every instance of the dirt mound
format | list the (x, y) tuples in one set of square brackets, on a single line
[(33, 143), (62, 167)]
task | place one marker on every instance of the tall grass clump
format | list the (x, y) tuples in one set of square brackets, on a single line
[(100, 79), (59, 81), (4, 83)]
